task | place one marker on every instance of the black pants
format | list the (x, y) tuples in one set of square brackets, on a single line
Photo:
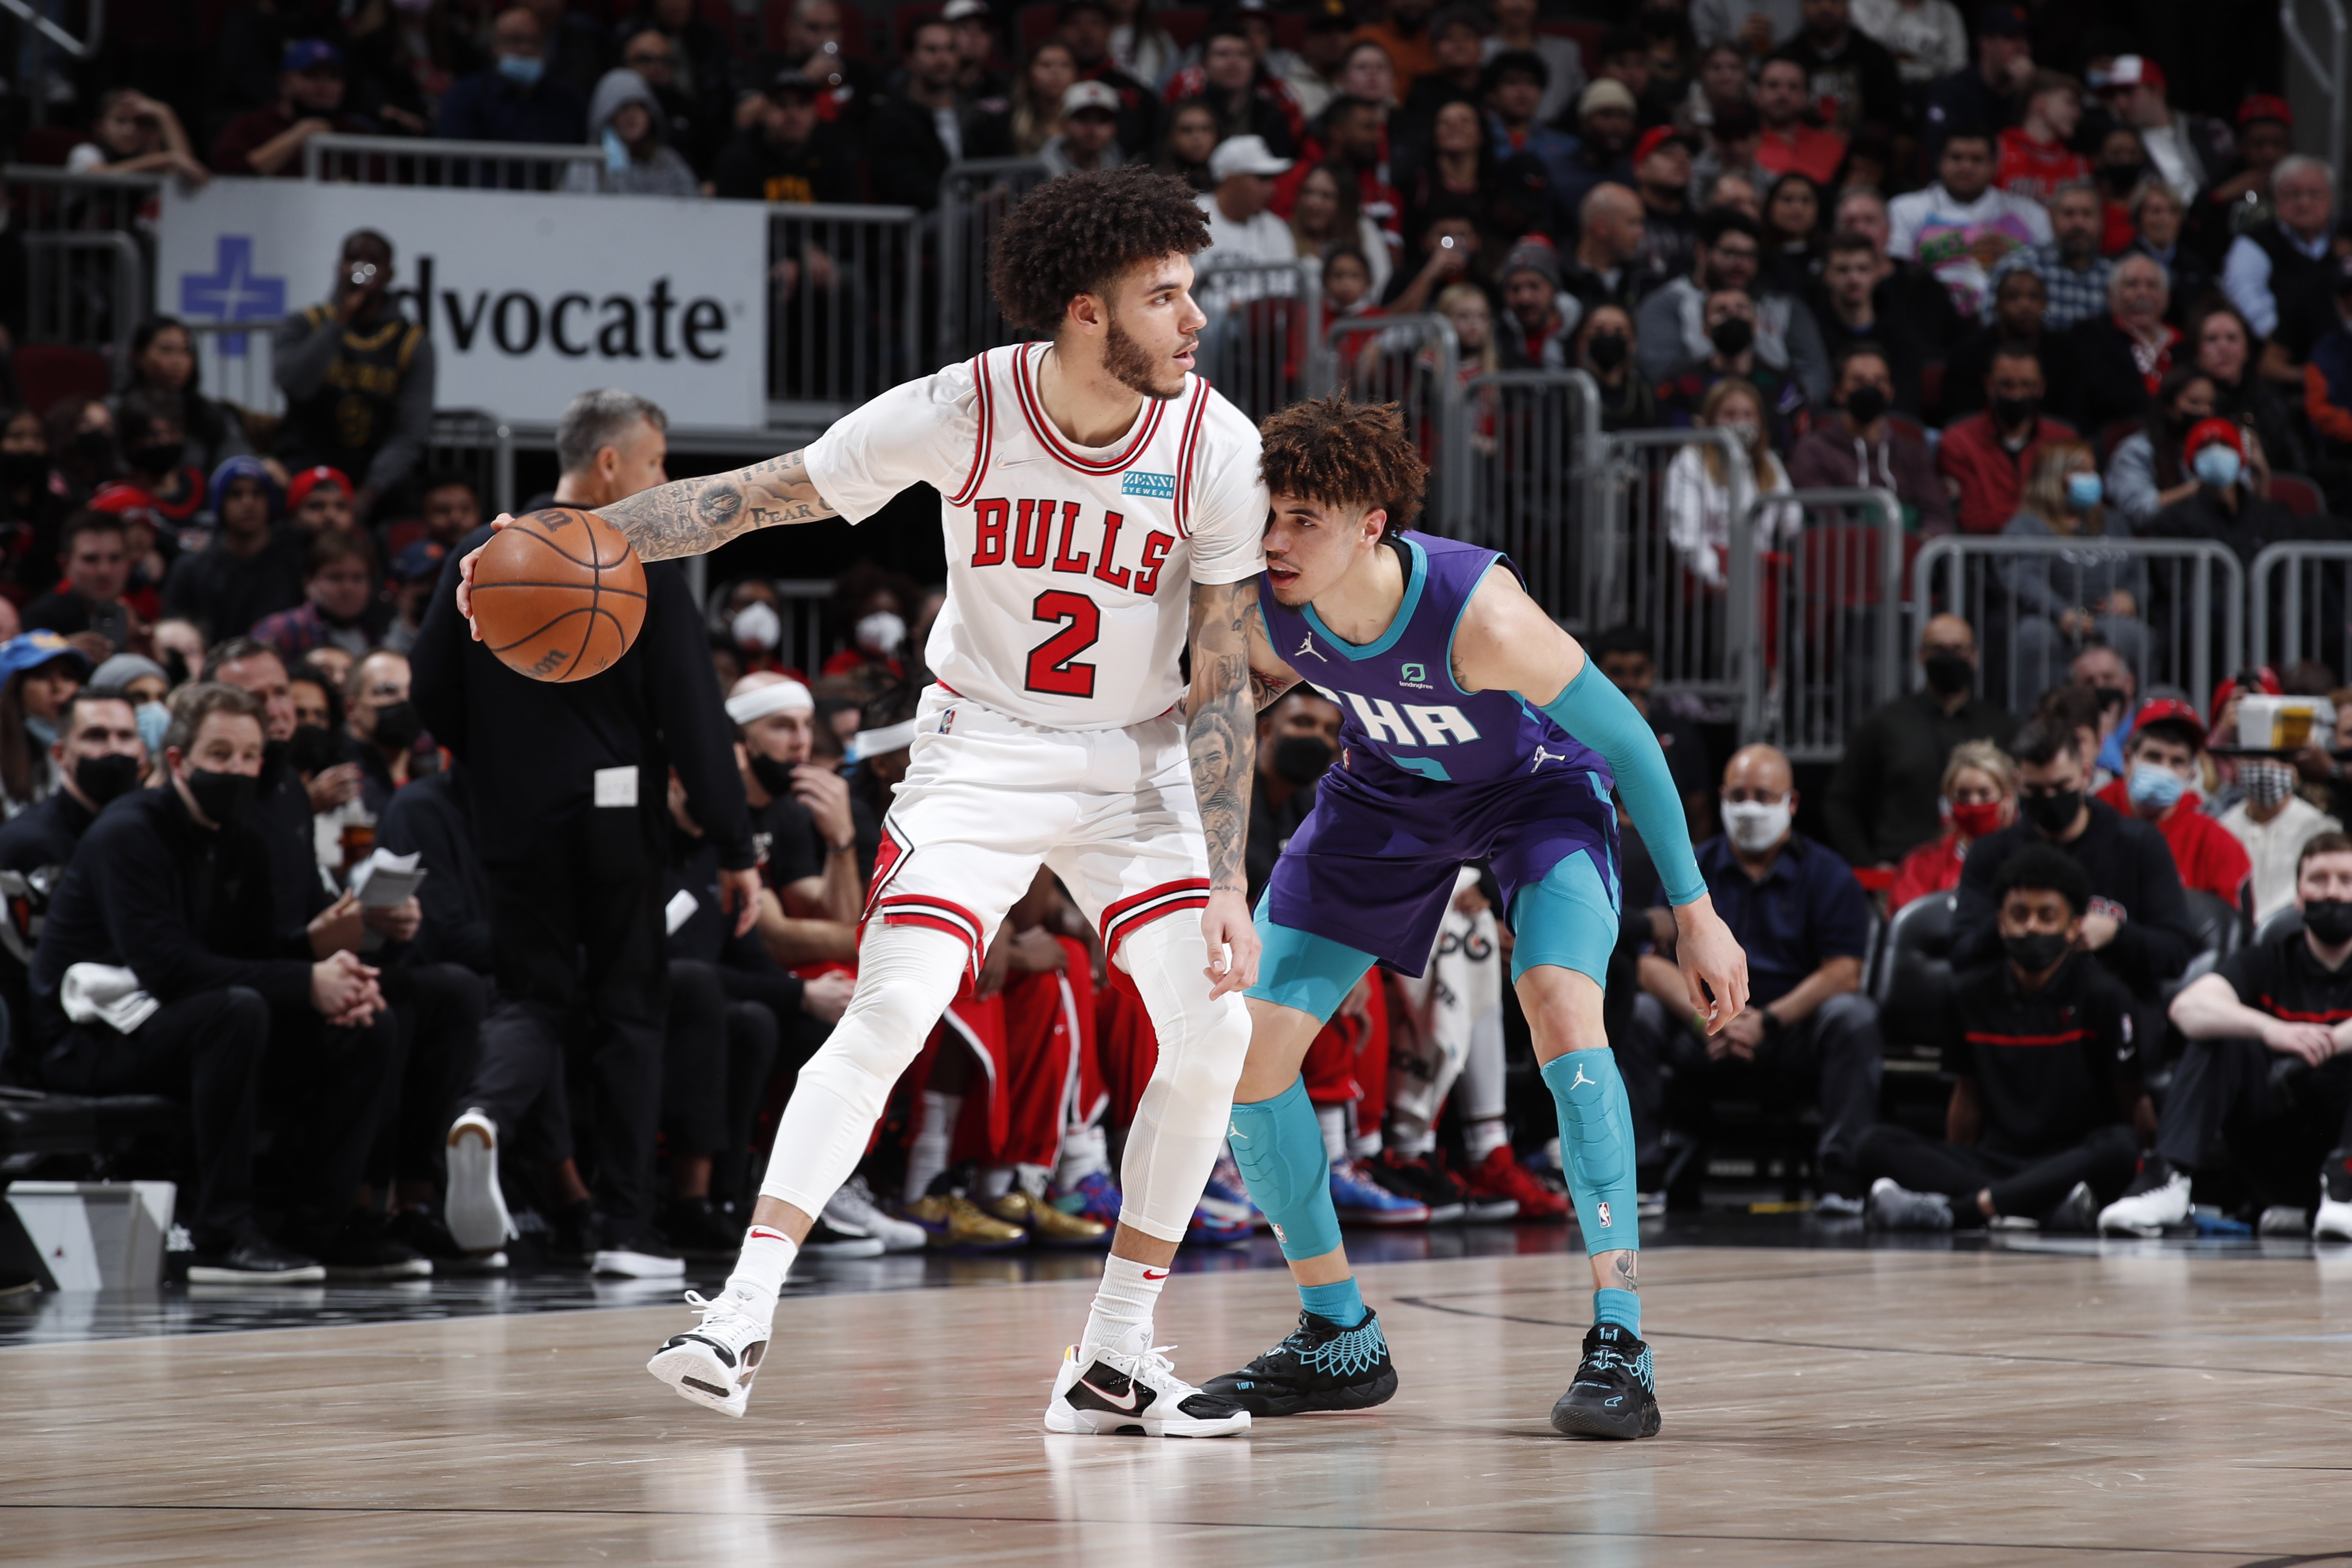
[(579, 922), (438, 1009), (2025, 1186), (2274, 1116), (236, 1060), (715, 1067), (1835, 1051)]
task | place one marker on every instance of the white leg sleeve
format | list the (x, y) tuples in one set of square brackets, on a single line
[(906, 975), (1482, 1088), (1181, 1121)]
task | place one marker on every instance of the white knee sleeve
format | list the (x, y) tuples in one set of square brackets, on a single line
[(1180, 1120), (906, 975)]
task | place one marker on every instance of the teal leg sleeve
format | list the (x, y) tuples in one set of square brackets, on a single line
[(1596, 1145), (1279, 1148)]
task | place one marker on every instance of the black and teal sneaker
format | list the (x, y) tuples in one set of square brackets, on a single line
[(1322, 1366), (1614, 1396)]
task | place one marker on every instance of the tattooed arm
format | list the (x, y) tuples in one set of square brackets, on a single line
[(1221, 733), (694, 516), (1269, 676)]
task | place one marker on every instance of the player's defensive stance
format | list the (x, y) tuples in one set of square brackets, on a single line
[(1474, 729), (1094, 493)]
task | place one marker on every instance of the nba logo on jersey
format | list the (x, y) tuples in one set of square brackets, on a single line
[(1602, 1210)]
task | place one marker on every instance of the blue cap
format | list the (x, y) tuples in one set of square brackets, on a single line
[(418, 558), (308, 55), (34, 649), (237, 469)]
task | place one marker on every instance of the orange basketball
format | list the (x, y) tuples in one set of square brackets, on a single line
[(559, 594)]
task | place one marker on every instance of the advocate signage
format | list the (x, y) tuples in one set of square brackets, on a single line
[(531, 297)]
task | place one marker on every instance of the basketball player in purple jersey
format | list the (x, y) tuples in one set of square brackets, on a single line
[(1475, 729)]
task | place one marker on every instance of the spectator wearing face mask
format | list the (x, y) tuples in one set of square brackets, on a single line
[(516, 99), (2159, 785), (804, 811), (1297, 739), (876, 635), (2225, 506), (1979, 798), (2091, 597), (1799, 914), (98, 758), (1857, 445), (387, 737), (1884, 798), (1603, 349), (746, 617), (41, 671), (2273, 823)]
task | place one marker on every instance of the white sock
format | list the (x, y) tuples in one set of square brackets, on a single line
[(1085, 1151), (1365, 1146), (1129, 1291), (929, 1157), (1482, 1138), (1032, 1180), (759, 1270), (995, 1181), (1413, 1144), (1333, 1119)]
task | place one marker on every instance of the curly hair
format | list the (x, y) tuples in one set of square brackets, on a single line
[(1344, 454), (1075, 235)]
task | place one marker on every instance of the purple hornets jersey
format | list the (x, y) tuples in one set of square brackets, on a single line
[(1405, 719)]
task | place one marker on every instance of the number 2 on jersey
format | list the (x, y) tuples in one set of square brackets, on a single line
[(1050, 669)]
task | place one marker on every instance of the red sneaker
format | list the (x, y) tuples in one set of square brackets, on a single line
[(1500, 1177)]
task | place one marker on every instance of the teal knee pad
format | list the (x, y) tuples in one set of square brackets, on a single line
[(1570, 918), (1279, 1148), (1299, 970), (1596, 1145)]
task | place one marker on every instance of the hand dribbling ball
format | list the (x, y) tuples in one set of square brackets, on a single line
[(559, 594)]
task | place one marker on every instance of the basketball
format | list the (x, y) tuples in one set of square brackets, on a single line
[(559, 594)]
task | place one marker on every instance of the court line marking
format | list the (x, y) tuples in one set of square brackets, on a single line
[(1428, 1305), (2235, 1553)]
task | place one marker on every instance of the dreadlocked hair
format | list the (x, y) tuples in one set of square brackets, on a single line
[(1076, 234), (1344, 454)]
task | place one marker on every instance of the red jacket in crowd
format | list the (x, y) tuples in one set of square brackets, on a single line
[(1990, 477), (2210, 856)]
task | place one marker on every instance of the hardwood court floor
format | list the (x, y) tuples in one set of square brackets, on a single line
[(1822, 1407)]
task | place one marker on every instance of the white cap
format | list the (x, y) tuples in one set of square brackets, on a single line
[(1244, 155), (959, 9), (757, 696), (868, 743), (1090, 95)]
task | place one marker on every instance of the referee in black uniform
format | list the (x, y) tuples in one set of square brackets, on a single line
[(569, 786)]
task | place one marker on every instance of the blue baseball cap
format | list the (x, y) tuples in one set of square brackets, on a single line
[(34, 649), (235, 469), (310, 55), (416, 560)]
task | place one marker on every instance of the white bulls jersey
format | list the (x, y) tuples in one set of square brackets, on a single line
[(1069, 567)]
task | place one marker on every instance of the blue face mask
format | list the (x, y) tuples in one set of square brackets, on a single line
[(2217, 466), (2153, 788), (2084, 491), (523, 70), (154, 718), (616, 151)]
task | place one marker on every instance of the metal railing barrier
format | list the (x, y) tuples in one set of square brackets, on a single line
[(416, 160), (2174, 610), (1674, 589), (844, 309), (1414, 361), (1265, 318), (975, 198), (1816, 615), (2299, 605), (1532, 491)]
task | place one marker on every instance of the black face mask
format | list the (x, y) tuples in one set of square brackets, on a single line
[(1607, 350), (2122, 178), (24, 467), (2037, 950), (1732, 337), (1864, 404), (95, 447), (1949, 675), (775, 776), (397, 725), (1300, 760), (273, 766), (222, 797), (102, 778), (313, 748), (2329, 919), (2054, 814), (156, 457), (2015, 410)]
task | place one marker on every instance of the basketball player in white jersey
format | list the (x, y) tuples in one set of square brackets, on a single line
[(1096, 497)]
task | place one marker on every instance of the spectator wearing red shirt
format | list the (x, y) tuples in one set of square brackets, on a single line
[(1987, 455), (269, 141), (2158, 787), (1354, 132), (2036, 158), (1979, 798), (1789, 143)]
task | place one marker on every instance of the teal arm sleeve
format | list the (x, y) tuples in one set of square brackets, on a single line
[(1596, 713)]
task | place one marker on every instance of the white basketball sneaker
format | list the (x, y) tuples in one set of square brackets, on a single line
[(2156, 1198), (2334, 1220), (1130, 1389), (476, 1212), (714, 1364), (852, 1208)]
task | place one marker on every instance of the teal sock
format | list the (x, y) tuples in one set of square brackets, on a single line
[(1342, 1303), (1622, 1308), (1596, 1146)]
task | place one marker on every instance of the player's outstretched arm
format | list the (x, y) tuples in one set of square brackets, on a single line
[(1269, 676), (694, 516), (1221, 731), (1506, 642)]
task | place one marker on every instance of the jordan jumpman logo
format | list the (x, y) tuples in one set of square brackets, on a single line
[(1581, 1078)]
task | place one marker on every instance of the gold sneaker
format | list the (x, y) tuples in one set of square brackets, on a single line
[(958, 1224), (1049, 1226)]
